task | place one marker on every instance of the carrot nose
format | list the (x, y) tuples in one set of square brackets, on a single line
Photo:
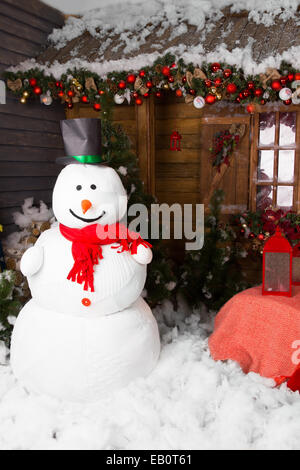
[(86, 205)]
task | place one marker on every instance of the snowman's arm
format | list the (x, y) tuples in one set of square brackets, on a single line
[(32, 260), (144, 255)]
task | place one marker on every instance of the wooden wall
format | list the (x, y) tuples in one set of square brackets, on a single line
[(30, 138)]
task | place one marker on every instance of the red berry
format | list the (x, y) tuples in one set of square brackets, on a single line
[(158, 94), (215, 67), (171, 79), (287, 102), (246, 93), (97, 106), (208, 83), (58, 84), (131, 78), (70, 105), (142, 73), (227, 73), (165, 71), (32, 82), (258, 91), (70, 93), (37, 90), (149, 84), (231, 88), (260, 236), (135, 95), (218, 81), (250, 85), (290, 77), (262, 101), (276, 85), (84, 99), (122, 85), (210, 99)]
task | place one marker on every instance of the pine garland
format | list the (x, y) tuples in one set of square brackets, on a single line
[(213, 82)]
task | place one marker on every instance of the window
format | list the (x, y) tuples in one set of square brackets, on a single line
[(274, 165)]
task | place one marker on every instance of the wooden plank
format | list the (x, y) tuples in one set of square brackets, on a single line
[(25, 17), (28, 169), (178, 198), (39, 9), (26, 183), (236, 32), (13, 199), (29, 154), (193, 126), (14, 44), (288, 37), (178, 170), (22, 30), (146, 143), (184, 156), (193, 141), (34, 139), (33, 109), (187, 185), (6, 215), (253, 161), (15, 122), (12, 58)]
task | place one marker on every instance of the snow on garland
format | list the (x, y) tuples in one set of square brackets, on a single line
[(209, 84)]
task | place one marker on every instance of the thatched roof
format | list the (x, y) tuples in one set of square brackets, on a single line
[(234, 30)]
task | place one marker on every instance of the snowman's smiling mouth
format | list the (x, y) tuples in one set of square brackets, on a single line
[(87, 220)]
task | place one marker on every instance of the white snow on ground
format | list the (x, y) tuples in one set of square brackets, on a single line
[(188, 402), (135, 20)]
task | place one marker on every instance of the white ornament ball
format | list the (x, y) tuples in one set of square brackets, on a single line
[(119, 99), (199, 102), (46, 98), (285, 94)]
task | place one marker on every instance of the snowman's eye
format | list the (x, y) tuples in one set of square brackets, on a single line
[(93, 186), (78, 187)]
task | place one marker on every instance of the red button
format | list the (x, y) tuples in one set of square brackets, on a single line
[(86, 302)]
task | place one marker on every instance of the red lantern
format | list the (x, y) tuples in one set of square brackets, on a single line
[(175, 141), (277, 266)]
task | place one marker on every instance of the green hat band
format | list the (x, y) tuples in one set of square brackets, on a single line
[(88, 158)]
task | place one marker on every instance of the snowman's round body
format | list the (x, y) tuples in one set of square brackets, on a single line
[(72, 343)]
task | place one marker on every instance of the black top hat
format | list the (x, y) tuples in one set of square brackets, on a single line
[(82, 141)]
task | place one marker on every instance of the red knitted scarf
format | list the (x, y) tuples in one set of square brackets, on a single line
[(87, 251)]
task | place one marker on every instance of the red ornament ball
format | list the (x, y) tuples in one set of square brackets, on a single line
[(146, 95), (97, 106), (131, 78), (171, 79), (70, 93), (250, 85), (263, 102), (135, 95), (138, 101), (283, 80), (158, 94), (250, 108), (70, 105), (178, 93), (290, 77), (58, 84), (218, 81), (210, 99), (287, 102), (61, 94), (192, 92), (208, 83), (227, 73), (242, 231), (297, 76), (276, 85), (252, 235), (84, 99), (231, 88), (261, 236), (165, 71), (258, 91), (37, 90), (246, 93), (238, 99), (32, 82), (101, 92), (142, 73), (122, 85), (184, 79), (149, 84), (215, 67)]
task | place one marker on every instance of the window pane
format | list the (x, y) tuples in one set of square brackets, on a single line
[(285, 197), (264, 197), (287, 130), (286, 166), (267, 128), (265, 167)]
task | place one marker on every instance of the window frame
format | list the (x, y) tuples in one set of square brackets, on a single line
[(254, 151)]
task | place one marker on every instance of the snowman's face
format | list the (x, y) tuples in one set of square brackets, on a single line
[(87, 194)]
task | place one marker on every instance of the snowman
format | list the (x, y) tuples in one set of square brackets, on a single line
[(86, 332)]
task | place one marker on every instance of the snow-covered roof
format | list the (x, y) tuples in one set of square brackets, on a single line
[(254, 34)]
